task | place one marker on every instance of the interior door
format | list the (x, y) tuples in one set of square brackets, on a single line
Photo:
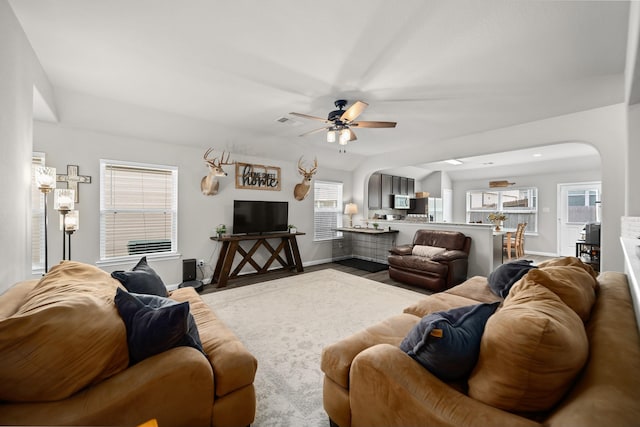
[(578, 204)]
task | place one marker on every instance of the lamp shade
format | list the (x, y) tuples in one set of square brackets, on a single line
[(63, 199), (45, 178), (71, 221), (350, 209), (331, 136)]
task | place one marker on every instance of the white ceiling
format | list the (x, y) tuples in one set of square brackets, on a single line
[(439, 68)]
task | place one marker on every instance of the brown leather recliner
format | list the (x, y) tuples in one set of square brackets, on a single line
[(437, 273)]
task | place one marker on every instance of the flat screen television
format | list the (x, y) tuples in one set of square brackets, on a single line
[(258, 217)]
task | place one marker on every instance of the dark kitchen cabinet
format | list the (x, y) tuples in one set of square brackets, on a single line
[(375, 187), (404, 185), (386, 191), (396, 187), (412, 187)]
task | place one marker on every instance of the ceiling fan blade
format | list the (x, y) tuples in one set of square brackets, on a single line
[(352, 135), (354, 111), (306, 116), (315, 131), (370, 124)]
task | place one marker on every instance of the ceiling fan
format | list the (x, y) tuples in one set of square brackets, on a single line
[(341, 121)]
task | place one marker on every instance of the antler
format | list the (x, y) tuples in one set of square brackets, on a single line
[(226, 162), (215, 161), (303, 171)]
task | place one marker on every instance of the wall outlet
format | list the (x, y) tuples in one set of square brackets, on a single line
[(200, 263)]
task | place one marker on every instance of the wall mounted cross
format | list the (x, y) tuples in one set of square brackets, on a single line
[(72, 178)]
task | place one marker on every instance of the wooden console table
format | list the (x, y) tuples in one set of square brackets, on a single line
[(231, 246)]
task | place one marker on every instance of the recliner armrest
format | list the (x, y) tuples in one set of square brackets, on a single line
[(402, 250), (450, 256)]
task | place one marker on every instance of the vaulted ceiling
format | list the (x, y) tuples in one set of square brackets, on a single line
[(228, 71)]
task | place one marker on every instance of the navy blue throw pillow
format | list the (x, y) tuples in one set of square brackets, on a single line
[(447, 343), (153, 330), (141, 280), (506, 275)]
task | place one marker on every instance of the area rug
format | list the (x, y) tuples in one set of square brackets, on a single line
[(285, 324), (363, 264)]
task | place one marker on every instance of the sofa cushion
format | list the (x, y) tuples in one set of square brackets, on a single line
[(66, 335), (142, 279), (427, 251), (568, 261), (475, 288), (530, 353), (155, 325), (574, 285), (441, 301), (505, 275), (447, 342)]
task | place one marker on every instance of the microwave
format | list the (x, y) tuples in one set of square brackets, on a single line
[(401, 201)]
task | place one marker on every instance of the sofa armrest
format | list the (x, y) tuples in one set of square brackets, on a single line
[(389, 388), (451, 255), (401, 250), (174, 387), (337, 357)]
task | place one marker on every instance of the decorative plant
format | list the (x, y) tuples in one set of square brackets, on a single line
[(292, 228), (221, 229), (497, 216), (375, 225)]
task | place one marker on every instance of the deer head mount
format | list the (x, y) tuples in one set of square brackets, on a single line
[(209, 184), (301, 191)]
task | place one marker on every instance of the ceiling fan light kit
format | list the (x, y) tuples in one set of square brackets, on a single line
[(340, 121)]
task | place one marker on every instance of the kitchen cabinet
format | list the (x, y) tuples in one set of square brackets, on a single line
[(395, 189), (375, 187), (386, 191), (404, 185), (382, 187)]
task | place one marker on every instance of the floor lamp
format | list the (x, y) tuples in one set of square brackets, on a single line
[(63, 203), (69, 223), (46, 182)]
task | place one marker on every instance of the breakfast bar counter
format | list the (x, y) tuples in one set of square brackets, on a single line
[(371, 244)]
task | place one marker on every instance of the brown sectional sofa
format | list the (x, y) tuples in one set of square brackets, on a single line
[(64, 353), (370, 381), (435, 273)]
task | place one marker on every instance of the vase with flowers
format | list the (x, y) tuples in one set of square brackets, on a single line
[(497, 218)]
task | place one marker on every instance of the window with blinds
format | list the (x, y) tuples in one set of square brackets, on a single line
[(138, 209), (327, 210), (37, 216)]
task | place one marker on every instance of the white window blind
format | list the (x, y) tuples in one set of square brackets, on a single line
[(37, 216), (327, 210), (138, 209)]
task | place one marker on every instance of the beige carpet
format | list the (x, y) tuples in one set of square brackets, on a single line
[(285, 323)]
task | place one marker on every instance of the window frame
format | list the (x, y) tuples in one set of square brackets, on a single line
[(105, 259), (320, 234), (532, 226)]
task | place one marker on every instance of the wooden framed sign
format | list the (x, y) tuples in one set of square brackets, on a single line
[(257, 177)]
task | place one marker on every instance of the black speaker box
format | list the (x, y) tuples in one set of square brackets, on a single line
[(188, 269)]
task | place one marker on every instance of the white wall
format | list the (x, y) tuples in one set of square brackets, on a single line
[(19, 72), (198, 215), (545, 242)]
